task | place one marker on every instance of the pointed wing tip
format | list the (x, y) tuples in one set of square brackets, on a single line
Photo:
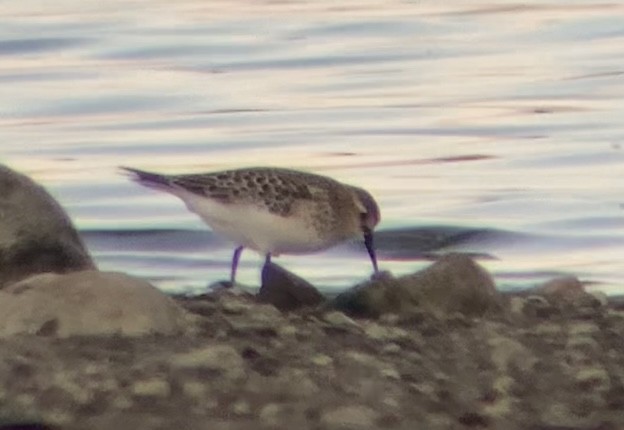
[(143, 177)]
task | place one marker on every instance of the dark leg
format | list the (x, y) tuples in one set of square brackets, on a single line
[(235, 258), (265, 268), (368, 241)]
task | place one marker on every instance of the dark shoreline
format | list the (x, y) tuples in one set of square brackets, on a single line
[(245, 365)]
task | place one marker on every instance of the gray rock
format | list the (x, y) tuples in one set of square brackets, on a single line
[(36, 235), (285, 290), (454, 284), (561, 285), (87, 303), (563, 289)]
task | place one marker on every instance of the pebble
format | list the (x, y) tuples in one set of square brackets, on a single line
[(287, 331), (80, 394), (391, 373), (601, 298), (58, 417), (361, 358), (594, 378), (379, 332), (582, 328), (285, 290), (122, 402), (263, 318), (241, 408), (194, 389), (506, 352), (321, 360), (294, 383), (339, 319), (234, 305), (516, 305), (547, 329), (391, 348), (269, 414), (154, 387), (222, 358), (560, 416), (349, 418), (25, 400)]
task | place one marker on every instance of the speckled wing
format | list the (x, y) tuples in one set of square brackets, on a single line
[(203, 185), (276, 191)]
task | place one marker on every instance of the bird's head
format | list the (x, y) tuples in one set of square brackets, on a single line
[(369, 210)]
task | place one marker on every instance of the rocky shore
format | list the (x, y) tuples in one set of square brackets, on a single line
[(438, 349)]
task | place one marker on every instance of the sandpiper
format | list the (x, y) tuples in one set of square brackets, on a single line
[(273, 210)]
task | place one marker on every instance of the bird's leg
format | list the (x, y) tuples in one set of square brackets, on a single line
[(235, 258), (368, 241)]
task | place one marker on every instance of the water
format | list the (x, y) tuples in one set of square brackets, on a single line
[(486, 127)]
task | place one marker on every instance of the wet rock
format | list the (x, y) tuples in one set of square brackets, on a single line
[(285, 290), (36, 235), (566, 291), (87, 303), (454, 284), (373, 298)]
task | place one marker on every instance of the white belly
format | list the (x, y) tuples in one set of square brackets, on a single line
[(254, 228)]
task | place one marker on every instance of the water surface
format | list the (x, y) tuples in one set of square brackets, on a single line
[(494, 126)]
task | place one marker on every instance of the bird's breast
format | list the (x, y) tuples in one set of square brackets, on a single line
[(255, 227)]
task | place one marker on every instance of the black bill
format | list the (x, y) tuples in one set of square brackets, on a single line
[(368, 241)]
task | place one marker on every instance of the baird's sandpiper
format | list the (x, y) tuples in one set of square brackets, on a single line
[(272, 210)]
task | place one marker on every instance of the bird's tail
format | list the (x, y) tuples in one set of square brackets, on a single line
[(148, 179)]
